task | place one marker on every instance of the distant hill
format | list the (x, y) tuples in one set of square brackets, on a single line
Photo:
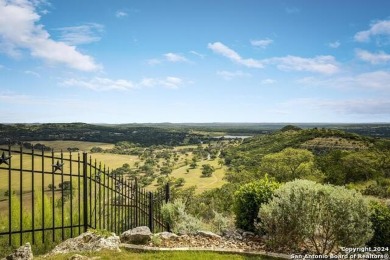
[(248, 155), (165, 133)]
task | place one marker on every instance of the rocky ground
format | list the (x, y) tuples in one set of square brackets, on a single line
[(142, 238), (246, 241)]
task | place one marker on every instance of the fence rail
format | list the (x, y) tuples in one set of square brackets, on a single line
[(48, 196)]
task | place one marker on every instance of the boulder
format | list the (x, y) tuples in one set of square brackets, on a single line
[(138, 236), (22, 253), (88, 241)]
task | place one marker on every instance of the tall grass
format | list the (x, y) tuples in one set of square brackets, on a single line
[(43, 217)]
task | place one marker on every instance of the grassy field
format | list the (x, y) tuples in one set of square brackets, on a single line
[(110, 161), (194, 176)]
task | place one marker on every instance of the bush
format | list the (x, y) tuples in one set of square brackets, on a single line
[(180, 221), (380, 218), (248, 199), (220, 223), (318, 217)]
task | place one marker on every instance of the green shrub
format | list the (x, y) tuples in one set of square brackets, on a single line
[(380, 218), (315, 216), (220, 223), (248, 199), (180, 221)]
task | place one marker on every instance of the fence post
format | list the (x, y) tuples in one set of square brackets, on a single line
[(167, 193), (85, 191), (167, 198), (151, 211), (136, 201)]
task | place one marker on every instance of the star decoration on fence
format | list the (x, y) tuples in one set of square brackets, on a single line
[(4, 159), (57, 166)]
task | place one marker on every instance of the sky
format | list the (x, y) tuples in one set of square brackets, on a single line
[(141, 61)]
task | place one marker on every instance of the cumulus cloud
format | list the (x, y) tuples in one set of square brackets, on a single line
[(27, 34), (83, 34), (373, 58), (378, 28), (318, 64), (262, 43), (228, 75), (225, 51)]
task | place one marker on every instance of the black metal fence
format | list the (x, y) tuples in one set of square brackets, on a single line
[(48, 196)]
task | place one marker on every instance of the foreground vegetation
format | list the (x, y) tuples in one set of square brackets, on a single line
[(220, 184)]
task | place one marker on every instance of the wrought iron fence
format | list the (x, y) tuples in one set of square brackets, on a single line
[(48, 196)]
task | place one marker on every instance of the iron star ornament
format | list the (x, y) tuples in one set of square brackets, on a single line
[(4, 159), (57, 166)]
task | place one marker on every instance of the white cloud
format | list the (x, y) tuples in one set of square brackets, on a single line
[(33, 73), (268, 81), (318, 64), (82, 34), (262, 43), (168, 82), (225, 51), (100, 84), (292, 10), (376, 29), (106, 84), (153, 62), (175, 57), (228, 75), (334, 45), (371, 80), (120, 14), (27, 34), (197, 54), (373, 58)]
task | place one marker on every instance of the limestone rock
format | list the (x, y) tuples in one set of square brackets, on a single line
[(22, 253), (167, 235), (87, 241), (208, 234), (248, 234), (138, 236), (82, 257)]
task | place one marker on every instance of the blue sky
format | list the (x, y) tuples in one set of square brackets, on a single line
[(194, 61)]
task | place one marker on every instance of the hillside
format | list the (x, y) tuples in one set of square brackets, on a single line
[(323, 155)]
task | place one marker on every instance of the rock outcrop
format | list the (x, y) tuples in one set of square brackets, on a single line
[(88, 241), (137, 236), (22, 253)]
